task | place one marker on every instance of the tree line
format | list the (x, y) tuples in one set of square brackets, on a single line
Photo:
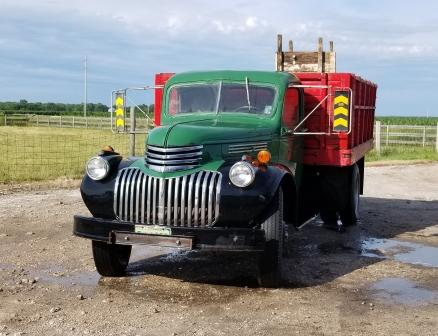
[(93, 109)]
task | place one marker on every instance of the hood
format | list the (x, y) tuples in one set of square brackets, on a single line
[(210, 131)]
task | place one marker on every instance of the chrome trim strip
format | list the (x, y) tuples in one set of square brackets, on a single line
[(183, 200), (210, 198), (189, 201), (148, 201), (164, 169), (116, 192), (171, 162), (172, 156), (161, 199), (169, 200), (237, 146), (218, 193), (196, 208), (132, 195), (175, 203), (154, 201), (127, 187), (203, 198), (174, 149), (143, 193)]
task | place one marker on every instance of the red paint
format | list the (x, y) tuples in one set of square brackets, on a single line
[(160, 80), (338, 149)]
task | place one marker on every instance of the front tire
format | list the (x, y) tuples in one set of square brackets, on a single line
[(111, 259), (271, 259)]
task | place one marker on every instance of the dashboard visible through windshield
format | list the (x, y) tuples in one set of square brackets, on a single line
[(221, 98)]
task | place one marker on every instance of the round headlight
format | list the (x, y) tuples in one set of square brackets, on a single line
[(242, 174), (97, 168)]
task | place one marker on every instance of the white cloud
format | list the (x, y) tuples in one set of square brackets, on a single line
[(129, 41)]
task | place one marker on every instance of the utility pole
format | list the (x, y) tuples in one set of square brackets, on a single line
[(85, 87)]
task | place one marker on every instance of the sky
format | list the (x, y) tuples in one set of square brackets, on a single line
[(43, 44)]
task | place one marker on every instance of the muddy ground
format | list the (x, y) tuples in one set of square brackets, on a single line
[(379, 278)]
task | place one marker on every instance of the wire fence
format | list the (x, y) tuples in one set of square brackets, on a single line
[(29, 155), (59, 121), (40, 153)]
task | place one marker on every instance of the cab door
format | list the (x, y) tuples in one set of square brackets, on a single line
[(291, 145)]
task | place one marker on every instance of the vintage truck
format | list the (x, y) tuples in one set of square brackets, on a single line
[(236, 158)]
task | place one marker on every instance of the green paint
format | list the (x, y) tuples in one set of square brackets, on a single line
[(218, 130)]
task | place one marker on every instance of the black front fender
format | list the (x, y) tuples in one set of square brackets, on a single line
[(98, 196), (250, 206)]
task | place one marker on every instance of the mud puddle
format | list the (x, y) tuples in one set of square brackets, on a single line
[(403, 291), (401, 251)]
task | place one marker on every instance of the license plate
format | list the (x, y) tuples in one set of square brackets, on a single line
[(154, 230)]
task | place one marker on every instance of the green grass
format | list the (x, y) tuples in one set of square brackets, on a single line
[(419, 121), (31, 153), (403, 153)]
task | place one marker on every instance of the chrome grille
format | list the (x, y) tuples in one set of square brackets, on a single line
[(247, 147), (188, 201), (167, 159)]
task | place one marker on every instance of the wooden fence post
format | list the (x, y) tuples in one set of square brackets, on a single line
[(436, 143), (377, 139), (424, 136), (38, 120), (387, 135), (73, 122), (6, 119)]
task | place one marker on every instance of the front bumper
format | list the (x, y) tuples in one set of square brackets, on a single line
[(218, 239)]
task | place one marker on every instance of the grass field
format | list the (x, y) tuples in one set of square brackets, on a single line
[(31, 153), (419, 121), (403, 153)]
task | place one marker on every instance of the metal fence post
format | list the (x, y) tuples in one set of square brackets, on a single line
[(73, 122), (38, 120), (132, 131), (377, 139), (60, 121)]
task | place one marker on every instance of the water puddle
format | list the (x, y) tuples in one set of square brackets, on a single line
[(402, 291), (405, 252), (58, 276)]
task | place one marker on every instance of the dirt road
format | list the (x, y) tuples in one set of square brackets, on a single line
[(379, 278)]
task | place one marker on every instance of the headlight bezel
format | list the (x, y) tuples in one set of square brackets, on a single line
[(106, 168), (242, 164)]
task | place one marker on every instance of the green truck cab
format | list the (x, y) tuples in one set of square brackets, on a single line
[(223, 171)]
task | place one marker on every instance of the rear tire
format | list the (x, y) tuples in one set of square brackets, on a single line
[(350, 213), (271, 259), (110, 259)]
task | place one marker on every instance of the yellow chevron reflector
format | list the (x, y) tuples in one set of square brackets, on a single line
[(119, 101), (340, 122), (341, 111), (120, 123), (119, 112), (341, 99)]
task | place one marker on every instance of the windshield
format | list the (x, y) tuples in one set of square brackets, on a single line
[(221, 97)]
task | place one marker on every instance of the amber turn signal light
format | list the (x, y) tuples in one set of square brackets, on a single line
[(264, 156)]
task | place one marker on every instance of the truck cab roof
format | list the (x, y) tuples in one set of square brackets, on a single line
[(272, 77)]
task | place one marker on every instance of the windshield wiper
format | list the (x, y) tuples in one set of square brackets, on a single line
[(247, 94), (218, 100)]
